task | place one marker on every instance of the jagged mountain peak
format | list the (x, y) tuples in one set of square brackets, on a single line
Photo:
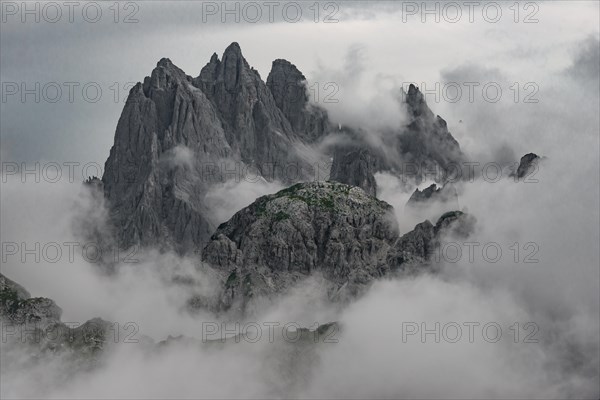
[(446, 196), (225, 115), (286, 83), (281, 63), (425, 143), (354, 165), (337, 230), (288, 87), (234, 47), (167, 67), (228, 113), (284, 75), (417, 106), (232, 70), (164, 62), (233, 53), (165, 75)]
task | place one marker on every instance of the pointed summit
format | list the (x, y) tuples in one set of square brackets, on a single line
[(152, 204), (283, 73), (288, 86), (234, 65), (164, 62), (232, 69), (228, 113), (417, 106), (426, 140), (281, 63), (233, 48), (255, 126), (286, 83), (164, 76)]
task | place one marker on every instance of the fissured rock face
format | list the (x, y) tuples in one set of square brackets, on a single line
[(178, 136), (155, 194), (445, 195), (288, 86), (527, 164), (338, 231), (354, 166), (427, 141), (422, 148), (35, 326)]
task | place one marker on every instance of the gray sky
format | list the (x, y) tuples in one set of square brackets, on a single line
[(368, 54), (395, 46)]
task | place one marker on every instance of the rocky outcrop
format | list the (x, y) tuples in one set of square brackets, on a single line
[(17, 306), (255, 127), (425, 147), (422, 149), (335, 230), (412, 251), (12, 293), (354, 166), (426, 142), (527, 164), (455, 224), (445, 195), (288, 86), (34, 323), (178, 136), (326, 227), (154, 177)]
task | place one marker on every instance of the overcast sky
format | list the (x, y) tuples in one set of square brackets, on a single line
[(392, 43), (548, 72)]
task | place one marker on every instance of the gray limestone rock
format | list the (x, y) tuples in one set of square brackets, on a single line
[(412, 252), (154, 178), (35, 324), (426, 141), (354, 166), (288, 86), (445, 195), (255, 126), (422, 149), (178, 136), (526, 166), (335, 230)]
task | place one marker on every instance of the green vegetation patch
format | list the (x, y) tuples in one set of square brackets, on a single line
[(247, 286), (231, 279), (9, 299), (280, 216), (451, 214)]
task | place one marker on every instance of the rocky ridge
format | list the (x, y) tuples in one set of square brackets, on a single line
[(33, 333), (446, 195), (354, 166), (422, 148), (338, 231), (179, 136), (35, 323)]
